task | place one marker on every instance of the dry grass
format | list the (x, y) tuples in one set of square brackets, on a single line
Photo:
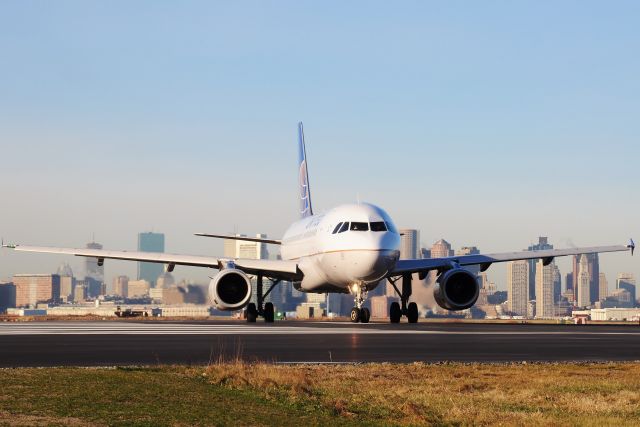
[(373, 394), (517, 394)]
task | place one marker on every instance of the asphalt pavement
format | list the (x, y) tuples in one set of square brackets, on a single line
[(109, 343)]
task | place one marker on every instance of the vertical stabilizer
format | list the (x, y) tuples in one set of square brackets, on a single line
[(303, 176)]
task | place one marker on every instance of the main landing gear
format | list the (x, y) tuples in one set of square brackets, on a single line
[(409, 309), (359, 313), (263, 309)]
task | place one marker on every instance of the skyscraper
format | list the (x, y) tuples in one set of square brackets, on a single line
[(94, 273), (518, 287), (441, 249), (409, 243), (584, 283), (593, 267), (544, 290), (603, 286), (543, 243), (557, 284), (627, 281), (150, 242), (67, 282)]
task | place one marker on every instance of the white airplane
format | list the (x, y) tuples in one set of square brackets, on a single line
[(349, 249)]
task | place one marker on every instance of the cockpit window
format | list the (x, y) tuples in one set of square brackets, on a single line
[(378, 226), (359, 226), (335, 230), (345, 227)]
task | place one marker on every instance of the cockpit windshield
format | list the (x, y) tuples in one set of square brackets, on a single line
[(378, 226), (359, 226), (345, 227)]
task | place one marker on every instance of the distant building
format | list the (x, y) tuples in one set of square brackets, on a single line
[(380, 306), (627, 281), (593, 268), (67, 282), (138, 289), (33, 289), (165, 280), (544, 290), (7, 296), (79, 291), (557, 284), (409, 243), (569, 287), (603, 285), (584, 283), (121, 286), (518, 287), (150, 242), (439, 249), (543, 243), (94, 274)]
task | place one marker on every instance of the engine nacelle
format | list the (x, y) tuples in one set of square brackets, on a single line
[(230, 290), (456, 289)]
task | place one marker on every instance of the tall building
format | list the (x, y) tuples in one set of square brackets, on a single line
[(627, 281), (544, 290), (518, 287), (409, 243), (557, 284), (94, 273), (7, 296), (568, 284), (33, 289), (441, 249), (593, 267), (67, 282), (150, 242), (584, 283), (543, 243), (138, 288), (603, 286), (245, 249), (121, 286)]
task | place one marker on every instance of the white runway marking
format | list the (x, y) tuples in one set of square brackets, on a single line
[(133, 328)]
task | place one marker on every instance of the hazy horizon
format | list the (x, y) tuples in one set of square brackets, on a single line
[(487, 124)]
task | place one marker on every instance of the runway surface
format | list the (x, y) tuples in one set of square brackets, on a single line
[(109, 343)]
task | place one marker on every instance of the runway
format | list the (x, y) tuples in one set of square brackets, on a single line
[(108, 343)]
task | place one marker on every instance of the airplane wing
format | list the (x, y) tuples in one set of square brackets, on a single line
[(485, 260), (277, 269)]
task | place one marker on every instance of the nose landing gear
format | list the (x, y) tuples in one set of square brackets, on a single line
[(359, 313)]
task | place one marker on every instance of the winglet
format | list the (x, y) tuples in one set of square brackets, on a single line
[(631, 246)]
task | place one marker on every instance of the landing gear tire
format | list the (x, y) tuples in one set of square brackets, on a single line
[(395, 313), (412, 312), (355, 314), (365, 315), (268, 312), (252, 313)]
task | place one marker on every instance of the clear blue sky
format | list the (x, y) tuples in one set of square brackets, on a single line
[(486, 123)]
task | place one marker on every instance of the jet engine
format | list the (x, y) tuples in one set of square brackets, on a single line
[(230, 290), (456, 289)]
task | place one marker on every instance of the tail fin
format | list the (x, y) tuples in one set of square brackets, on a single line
[(303, 177)]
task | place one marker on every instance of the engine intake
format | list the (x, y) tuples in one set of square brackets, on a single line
[(230, 290), (456, 289)]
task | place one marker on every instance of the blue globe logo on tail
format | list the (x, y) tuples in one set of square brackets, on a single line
[(303, 176)]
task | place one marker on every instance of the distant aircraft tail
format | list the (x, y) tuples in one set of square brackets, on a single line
[(303, 176)]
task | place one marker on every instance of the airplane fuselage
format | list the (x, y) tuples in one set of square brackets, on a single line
[(348, 245)]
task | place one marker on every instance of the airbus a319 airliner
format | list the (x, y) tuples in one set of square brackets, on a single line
[(349, 249)]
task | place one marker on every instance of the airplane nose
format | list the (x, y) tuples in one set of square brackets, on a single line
[(374, 265)]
